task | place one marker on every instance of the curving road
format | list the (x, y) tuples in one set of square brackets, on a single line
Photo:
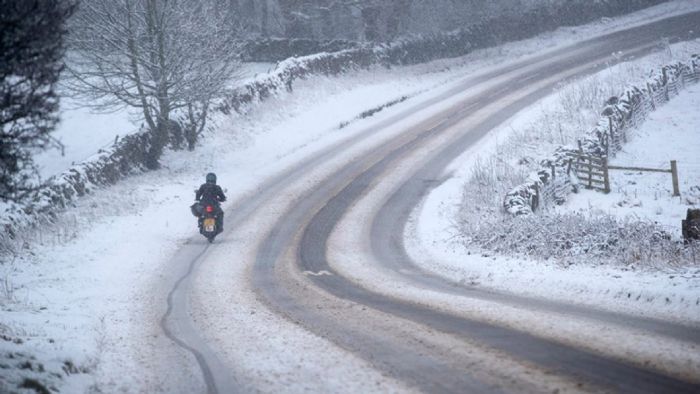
[(313, 231)]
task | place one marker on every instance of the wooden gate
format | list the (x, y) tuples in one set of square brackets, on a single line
[(593, 172)]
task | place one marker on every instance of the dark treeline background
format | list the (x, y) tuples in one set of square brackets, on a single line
[(329, 25), (364, 20)]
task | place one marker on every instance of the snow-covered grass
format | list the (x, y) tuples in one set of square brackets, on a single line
[(562, 119), (585, 238), (82, 132), (670, 133)]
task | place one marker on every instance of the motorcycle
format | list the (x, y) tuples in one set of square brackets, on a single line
[(207, 215)]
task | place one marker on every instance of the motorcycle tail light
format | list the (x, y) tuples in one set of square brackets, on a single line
[(210, 209)]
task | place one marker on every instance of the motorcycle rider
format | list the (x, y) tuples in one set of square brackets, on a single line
[(210, 193)]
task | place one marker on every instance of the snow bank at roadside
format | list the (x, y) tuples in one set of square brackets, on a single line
[(84, 296), (433, 243)]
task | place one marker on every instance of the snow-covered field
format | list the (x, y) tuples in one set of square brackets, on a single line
[(84, 130), (81, 299), (671, 133)]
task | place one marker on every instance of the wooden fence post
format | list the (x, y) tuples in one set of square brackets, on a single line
[(607, 137), (606, 176), (674, 177), (590, 172)]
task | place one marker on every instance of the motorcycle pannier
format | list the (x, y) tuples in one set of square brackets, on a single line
[(197, 209)]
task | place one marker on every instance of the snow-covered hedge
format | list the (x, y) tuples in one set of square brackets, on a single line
[(620, 114), (270, 50), (126, 156), (486, 33), (575, 238)]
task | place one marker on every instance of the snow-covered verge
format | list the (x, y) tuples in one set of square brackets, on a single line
[(126, 156), (447, 234), (82, 306)]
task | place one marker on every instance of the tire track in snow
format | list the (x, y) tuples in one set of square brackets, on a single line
[(177, 325)]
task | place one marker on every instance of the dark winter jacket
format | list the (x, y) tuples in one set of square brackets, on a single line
[(210, 193)]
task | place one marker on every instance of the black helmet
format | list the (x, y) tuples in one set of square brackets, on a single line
[(211, 178)]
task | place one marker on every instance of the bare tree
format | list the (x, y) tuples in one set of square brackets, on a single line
[(166, 57)]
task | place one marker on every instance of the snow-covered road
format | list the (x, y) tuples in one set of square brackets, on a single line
[(322, 244), (310, 288)]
